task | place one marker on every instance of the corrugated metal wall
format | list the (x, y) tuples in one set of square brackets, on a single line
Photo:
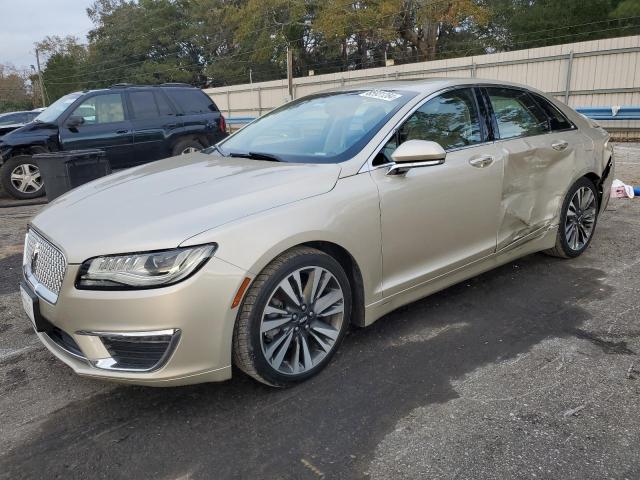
[(594, 73)]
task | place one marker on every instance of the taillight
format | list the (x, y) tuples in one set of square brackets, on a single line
[(223, 124)]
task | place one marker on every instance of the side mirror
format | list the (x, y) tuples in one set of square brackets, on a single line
[(416, 154), (74, 121)]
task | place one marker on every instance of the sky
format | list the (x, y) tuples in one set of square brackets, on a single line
[(24, 22)]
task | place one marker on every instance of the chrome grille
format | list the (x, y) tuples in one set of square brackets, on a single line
[(44, 266)]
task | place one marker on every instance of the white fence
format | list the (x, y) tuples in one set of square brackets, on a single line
[(594, 73)]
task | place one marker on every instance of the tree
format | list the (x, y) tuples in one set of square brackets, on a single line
[(15, 93), (64, 59)]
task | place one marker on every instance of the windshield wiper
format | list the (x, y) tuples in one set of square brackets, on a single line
[(257, 156)]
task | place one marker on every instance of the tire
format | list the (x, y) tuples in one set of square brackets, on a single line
[(281, 349), (575, 234), (185, 146), (21, 165)]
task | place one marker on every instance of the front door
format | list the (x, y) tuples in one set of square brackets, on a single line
[(436, 219), (105, 126)]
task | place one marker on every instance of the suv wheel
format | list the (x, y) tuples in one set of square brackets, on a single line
[(186, 146), (20, 177)]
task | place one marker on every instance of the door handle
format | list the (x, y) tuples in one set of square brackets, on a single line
[(559, 146), (171, 125), (121, 132), (481, 161)]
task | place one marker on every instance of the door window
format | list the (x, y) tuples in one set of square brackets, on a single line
[(143, 104), (557, 119), (450, 119), (163, 104), (101, 109), (517, 114)]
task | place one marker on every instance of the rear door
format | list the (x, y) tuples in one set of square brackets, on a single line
[(105, 126), (155, 123), (539, 163)]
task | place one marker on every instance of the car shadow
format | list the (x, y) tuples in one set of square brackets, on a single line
[(330, 425)]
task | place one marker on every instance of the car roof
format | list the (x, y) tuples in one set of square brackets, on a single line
[(427, 85)]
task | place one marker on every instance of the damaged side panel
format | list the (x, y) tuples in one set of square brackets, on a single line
[(536, 179)]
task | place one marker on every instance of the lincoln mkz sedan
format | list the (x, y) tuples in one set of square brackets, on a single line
[(331, 210)]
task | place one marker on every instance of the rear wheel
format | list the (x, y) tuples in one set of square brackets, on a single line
[(577, 220), (186, 146), (293, 318), (20, 177)]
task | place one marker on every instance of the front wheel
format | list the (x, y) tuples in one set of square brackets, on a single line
[(20, 177), (578, 220), (293, 318)]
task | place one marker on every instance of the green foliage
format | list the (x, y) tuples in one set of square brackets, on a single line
[(14, 90), (223, 42)]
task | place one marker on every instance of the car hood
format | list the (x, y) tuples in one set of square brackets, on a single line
[(161, 204)]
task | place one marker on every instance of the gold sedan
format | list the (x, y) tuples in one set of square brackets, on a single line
[(329, 211)]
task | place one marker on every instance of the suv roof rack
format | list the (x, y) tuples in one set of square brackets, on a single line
[(168, 84)]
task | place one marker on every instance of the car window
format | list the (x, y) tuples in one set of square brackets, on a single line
[(101, 109), (556, 118), (321, 128), (517, 114), (11, 118), (143, 104), (53, 111), (450, 119), (163, 104), (190, 100)]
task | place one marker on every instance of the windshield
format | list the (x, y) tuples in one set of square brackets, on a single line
[(53, 111), (324, 128)]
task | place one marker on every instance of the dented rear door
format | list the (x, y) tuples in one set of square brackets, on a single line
[(538, 165)]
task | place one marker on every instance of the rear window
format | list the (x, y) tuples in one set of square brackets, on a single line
[(191, 100), (556, 118), (143, 104)]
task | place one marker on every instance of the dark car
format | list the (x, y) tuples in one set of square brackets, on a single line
[(11, 120), (132, 124)]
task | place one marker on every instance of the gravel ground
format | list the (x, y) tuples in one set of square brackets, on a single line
[(528, 371)]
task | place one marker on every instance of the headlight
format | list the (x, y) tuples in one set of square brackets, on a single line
[(142, 270)]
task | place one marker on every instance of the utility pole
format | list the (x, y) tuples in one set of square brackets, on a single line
[(42, 92), (290, 72), (250, 78)]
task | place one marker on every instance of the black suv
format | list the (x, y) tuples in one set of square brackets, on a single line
[(132, 124)]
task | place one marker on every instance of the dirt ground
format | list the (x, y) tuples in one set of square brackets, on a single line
[(528, 371)]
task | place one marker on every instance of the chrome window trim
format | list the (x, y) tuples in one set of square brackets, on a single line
[(368, 165)]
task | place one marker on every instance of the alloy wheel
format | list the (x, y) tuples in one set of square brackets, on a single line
[(190, 150), (302, 320), (26, 178), (580, 218)]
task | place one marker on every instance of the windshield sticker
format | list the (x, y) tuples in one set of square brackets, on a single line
[(381, 95)]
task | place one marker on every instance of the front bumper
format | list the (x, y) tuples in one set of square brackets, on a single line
[(175, 335)]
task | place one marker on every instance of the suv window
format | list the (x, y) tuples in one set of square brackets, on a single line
[(143, 104), (517, 114), (190, 100), (450, 119), (163, 104), (101, 109), (556, 118)]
